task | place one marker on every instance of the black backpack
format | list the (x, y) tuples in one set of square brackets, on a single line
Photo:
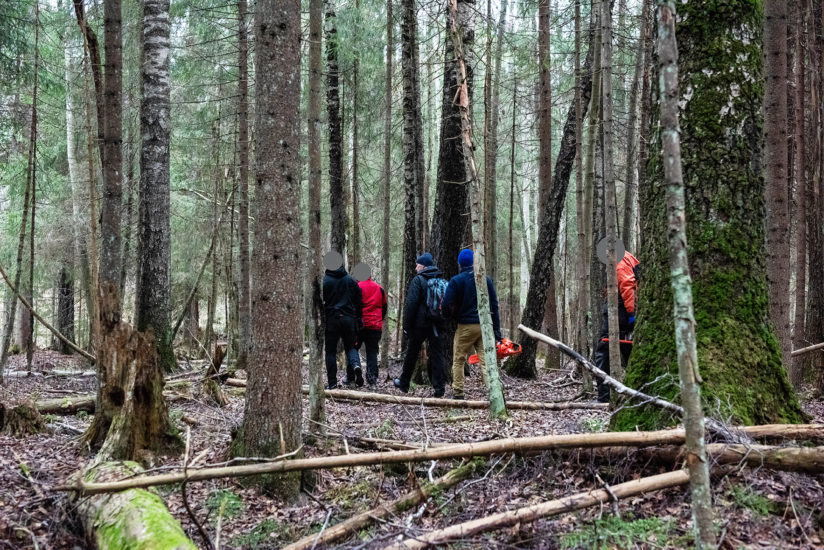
[(435, 290)]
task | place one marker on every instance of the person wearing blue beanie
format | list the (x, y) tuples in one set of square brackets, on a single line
[(466, 258), (425, 260), (461, 302)]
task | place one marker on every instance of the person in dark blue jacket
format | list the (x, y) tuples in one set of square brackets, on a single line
[(461, 302), (420, 325), (343, 310)]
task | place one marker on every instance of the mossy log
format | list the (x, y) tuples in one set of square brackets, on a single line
[(399, 505), (67, 405), (21, 420), (136, 519)]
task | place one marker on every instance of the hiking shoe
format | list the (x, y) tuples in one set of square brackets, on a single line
[(438, 393), (330, 387), (398, 385), (346, 382), (359, 377), (458, 396), (372, 386)]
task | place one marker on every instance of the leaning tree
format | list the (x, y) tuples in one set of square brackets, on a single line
[(721, 88)]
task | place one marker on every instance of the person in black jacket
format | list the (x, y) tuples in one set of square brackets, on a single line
[(419, 326), (461, 301), (343, 310)]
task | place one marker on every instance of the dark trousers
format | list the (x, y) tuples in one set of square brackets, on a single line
[(415, 340), (371, 339), (601, 355), (340, 327)]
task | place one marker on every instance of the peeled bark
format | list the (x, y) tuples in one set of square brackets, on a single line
[(272, 415), (524, 365), (132, 519), (724, 199)]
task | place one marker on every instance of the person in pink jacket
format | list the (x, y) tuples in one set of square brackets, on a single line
[(374, 312)]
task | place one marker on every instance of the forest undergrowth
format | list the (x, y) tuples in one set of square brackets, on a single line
[(754, 508)]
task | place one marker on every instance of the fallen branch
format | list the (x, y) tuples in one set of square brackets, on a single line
[(352, 395), (45, 323), (405, 502), (712, 424), (536, 511), (464, 450), (808, 349)]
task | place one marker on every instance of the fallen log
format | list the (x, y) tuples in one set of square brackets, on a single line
[(131, 519), (529, 514), (405, 502), (67, 405), (353, 395), (808, 349), (790, 459), (464, 450)]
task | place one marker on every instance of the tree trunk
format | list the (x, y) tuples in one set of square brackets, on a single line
[(643, 129), (801, 178), (272, 416), (92, 49), (593, 198), (413, 160), (775, 164), (681, 282), (333, 108), (29, 334), (724, 194), (211, 303), (129, 212), (386, 177), (511, 300), (154, 230), (317, 408), (355, 248), (244, 320), (449, 221), (111, 203), (524, 364), (65, 308)]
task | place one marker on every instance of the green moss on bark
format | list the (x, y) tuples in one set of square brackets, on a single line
[(721, 86)]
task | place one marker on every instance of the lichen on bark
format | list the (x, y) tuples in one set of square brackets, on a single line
[(721, 87)]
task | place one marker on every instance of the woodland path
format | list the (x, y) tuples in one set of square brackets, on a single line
[(758, 509)]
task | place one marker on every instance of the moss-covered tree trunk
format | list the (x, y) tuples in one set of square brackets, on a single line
[(721, 88)]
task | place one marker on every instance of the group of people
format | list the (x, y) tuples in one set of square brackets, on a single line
[(355, 311)]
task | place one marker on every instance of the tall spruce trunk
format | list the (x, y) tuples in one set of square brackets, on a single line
[(317, 409), (449, 221), (610, 210), (497, 404), (386, 176), (512, 296), (355, 246), (243, 287), (65, 307), (272, 416), (545, 162), (724, 199), (412, 143), (32, 170), (154, 228), (111, 204), (333, 108), (683, 313), (593, 196), (775, 164), (539, 279), (799, 139)]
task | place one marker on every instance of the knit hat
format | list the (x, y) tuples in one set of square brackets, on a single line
[(466, 258), (425, 259)]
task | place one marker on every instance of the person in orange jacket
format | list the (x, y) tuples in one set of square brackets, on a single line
[(627, 270)]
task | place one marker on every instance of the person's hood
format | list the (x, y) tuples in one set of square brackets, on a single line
[(338, 273), (430, 272), (468, 268)]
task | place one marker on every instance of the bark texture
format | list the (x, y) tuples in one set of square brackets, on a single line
[(681, 281), (386, 176), (65, 308), (243, 288), (451, 216), (724, 203), (775, 164), (154, 230), (539, 281), (333, 107), (272, 416), (801, 179)]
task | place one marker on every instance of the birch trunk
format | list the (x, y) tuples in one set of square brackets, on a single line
[(681, 281)]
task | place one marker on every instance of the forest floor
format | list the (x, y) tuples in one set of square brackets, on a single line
[(754, 509)]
